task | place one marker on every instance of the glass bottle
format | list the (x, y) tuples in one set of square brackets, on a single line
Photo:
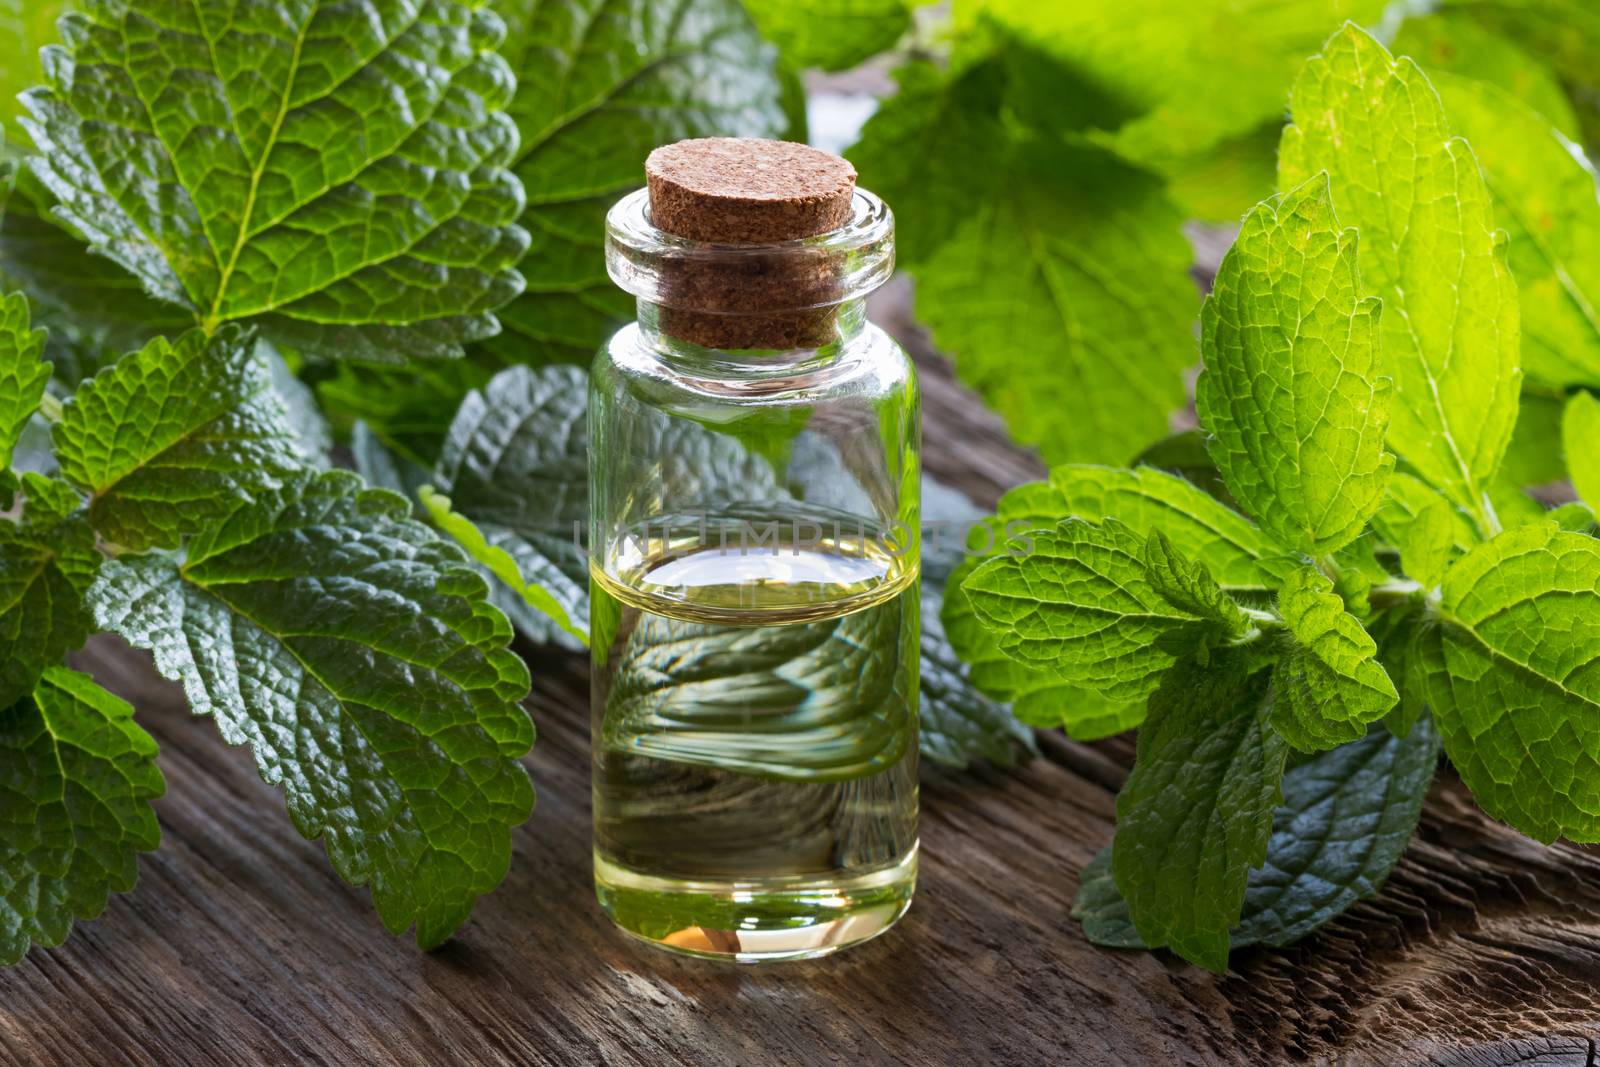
[(754, 572)]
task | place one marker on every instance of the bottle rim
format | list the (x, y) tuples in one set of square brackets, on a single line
[(710, 277)]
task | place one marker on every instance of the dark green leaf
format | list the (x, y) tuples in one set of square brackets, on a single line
[(356, 653), (170, 439), (76, 780), (23, 375), (330, 172), (47, 561), (959, 723), (1196, 813)]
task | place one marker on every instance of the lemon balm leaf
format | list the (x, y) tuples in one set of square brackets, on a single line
[(78, 781), (355, 652), (1428, 249), (334, 174)]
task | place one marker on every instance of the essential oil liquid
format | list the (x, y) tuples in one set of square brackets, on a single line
[(755, 744)]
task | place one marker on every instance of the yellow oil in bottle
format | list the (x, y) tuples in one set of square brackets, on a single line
[(755, 742)]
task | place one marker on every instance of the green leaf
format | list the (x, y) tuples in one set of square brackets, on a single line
[(1196, 813), (1199, 526), (1345, 819), (1065, 300), (497, 561), (1544, 196), (1330, 684), (600, 83), (1534, 457), (1188, 586), (831, 34), (1080, 605), (333, 174), (23, 375), (170, 439), (1037, 697), (516, 465), (1580, 443), (76, 780), (356, 653), (1426, 542), (1451, 41), (408, 409), (1574, 515), (1512, 674), (1291, 391), (47, 561), (1408, 498), (1428, 248)]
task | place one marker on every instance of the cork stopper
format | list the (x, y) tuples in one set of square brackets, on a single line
[(735, 191), (738, 190)]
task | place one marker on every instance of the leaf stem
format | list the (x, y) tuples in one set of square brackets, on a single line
[(50, 408)]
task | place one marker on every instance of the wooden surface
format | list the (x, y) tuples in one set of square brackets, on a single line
[(240, 945)]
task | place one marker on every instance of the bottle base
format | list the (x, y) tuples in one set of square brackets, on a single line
[(755, 921)]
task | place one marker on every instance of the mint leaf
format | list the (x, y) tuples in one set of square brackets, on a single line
[(356, 654), (1544, 196), (1408, 498), (25, 27), (497, 561), (1080, 605), (1426, 542), (1199, 526), (1452, 41), (1428, 249), (1188, 586), (1196, 812), (47, 561), (599, 84), (23, 375), (1330, 684), (76, 780), (1064, 298), (170, 439), (1510, 674), (1344, 822), (1291, 391), (1037, 697), (335, 176), (831, 34), (516, 465), (1580, 440)]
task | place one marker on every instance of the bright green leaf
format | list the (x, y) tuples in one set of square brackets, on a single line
[(1188, 586), (1512, 674), (25, 27), (356, 653), (1426, 541), (1330, 684), (1408, 498), (831, 34), (1080, 605), (497, 561), (1037, 697), (1428, 248), (1544, 196), (76, 780), (1144, 498), (1292, 393), (333, 173), (23, 375), (1452, 41), (1344, 821), (47, 560), (1196, 812), (1580, 443), (600, 83), (168, 440), (516, 465)]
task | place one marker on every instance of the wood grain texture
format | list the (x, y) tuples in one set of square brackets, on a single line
[(241, 946)]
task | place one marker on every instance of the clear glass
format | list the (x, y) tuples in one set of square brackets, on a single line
[(754, 571)]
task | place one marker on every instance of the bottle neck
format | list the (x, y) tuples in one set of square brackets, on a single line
[(836, 327)]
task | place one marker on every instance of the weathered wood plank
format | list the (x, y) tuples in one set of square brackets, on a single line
[(241, 945)]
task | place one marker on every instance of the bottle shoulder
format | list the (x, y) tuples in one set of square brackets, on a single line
[(869, 365)]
